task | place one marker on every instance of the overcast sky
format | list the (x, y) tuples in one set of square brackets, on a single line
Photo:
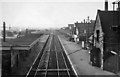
[(48, 13)]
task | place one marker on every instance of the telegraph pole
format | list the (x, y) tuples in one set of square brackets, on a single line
[(4, 32)]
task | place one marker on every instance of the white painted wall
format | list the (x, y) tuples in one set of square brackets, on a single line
[(98, 27), (100, 43), (75, 38), (77, 31)]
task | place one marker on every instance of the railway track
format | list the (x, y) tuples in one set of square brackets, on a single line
[(51, 61)]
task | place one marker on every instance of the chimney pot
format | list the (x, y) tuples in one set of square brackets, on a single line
[(84, 20)]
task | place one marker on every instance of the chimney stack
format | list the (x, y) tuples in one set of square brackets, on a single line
[(76, 21), (84, 21), (88, 19), (106, 5)]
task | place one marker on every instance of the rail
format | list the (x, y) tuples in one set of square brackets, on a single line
[(38, 57), (52, 61)]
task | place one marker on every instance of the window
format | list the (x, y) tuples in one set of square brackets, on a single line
[(98, 34), (114, 28)]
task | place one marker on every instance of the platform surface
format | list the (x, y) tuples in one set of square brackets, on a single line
[(80, 59)]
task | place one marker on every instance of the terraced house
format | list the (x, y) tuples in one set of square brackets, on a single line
[(106, 43), (84, 30)]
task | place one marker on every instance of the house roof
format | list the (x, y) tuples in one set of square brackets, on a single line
[(72, 25), (72, 28), (82, 26), (85, 26), (108, 19)]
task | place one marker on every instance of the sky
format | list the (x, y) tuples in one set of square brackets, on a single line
[(43, 14)]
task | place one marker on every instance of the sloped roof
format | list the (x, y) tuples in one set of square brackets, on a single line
[(70, 25), (85, 26), (108, 19), (25, 40), (21, 41), (5, 44)]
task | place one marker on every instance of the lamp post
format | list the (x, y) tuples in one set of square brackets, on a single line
[(87, 30)]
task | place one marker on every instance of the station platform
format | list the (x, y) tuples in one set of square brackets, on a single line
[(80, 59), (44, 38)]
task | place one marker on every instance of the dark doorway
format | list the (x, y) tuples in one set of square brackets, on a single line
[(98, 57), (95, 56)]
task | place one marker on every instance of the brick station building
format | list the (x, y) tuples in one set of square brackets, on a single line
[(105, 52)]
